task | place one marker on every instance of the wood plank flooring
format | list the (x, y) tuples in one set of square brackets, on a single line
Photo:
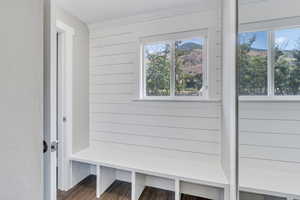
[(86, 190), (119, 190)]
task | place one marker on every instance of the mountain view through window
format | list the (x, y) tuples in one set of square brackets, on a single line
[(174, 68), (189, 67)]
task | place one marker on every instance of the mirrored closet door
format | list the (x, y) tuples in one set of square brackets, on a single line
[(269, 99)]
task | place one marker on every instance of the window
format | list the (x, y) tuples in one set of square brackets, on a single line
[(270, 63), (174, 66)]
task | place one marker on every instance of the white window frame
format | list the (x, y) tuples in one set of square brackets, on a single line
[(171, 39), (270, 27)]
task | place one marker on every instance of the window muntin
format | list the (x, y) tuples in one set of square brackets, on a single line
[(185, 57), (278, 67)]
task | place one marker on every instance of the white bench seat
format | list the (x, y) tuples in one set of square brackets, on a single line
[(270, 178), (203, 176), (207, 171)]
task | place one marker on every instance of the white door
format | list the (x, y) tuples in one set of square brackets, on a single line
[(21, 99), (50, 106)]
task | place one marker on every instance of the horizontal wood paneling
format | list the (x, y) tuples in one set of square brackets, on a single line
[(110, 88), (270, 131), (208, 111), (153, 152), (157, 142), (186, 129), (280, 140), (118, 48), (265, 165), (274, 153), (167, 121), (270, 126), (105, 98), (160, 132), (128, 57), (111, 39), (111, 69), (284, 111), (97, 79)]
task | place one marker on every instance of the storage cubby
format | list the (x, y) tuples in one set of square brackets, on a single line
[(191, 191), (161, 186), (192, 179), (113, 182), (117, 190), (148, 186)]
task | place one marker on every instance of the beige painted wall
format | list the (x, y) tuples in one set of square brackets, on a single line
[(21, 102)]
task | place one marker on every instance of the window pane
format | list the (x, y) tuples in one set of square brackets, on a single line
[(287, 62), (157, 69), (253, 60), (189, 67)]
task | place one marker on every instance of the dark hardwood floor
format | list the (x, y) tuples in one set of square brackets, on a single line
[(119, 190), (86, 190)]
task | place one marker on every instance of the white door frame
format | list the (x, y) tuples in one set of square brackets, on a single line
[(50, 120), (65, 140)]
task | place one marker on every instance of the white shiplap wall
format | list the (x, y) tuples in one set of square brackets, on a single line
[(270, 131), (184, 129)]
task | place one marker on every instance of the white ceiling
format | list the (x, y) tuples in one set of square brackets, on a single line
[(92, 11)]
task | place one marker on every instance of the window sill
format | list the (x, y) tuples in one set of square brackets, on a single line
[(269, 98), (176, 100)]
